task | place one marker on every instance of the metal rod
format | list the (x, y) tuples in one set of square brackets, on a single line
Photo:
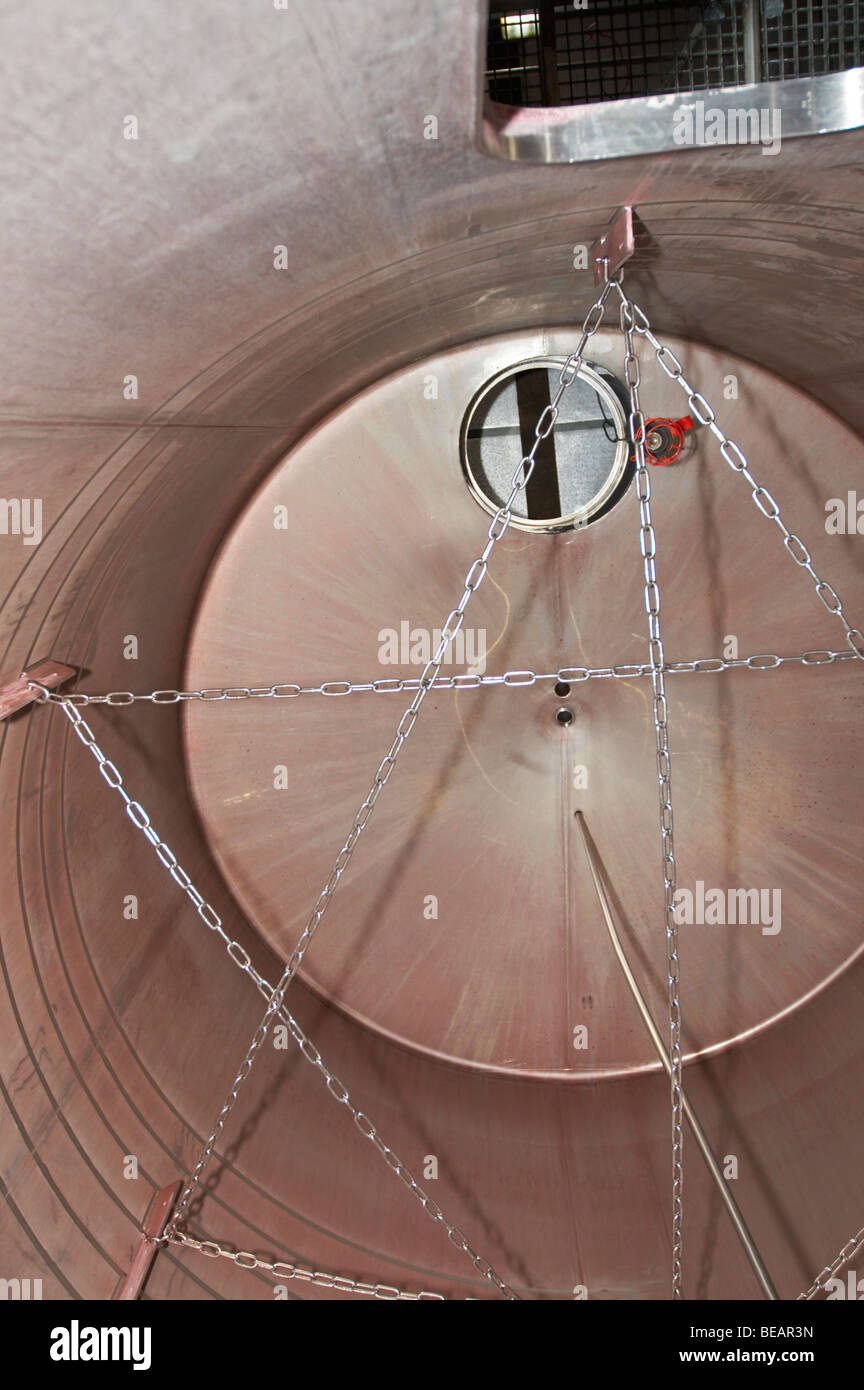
[(731, 1205), (548, 52), (752, 23)]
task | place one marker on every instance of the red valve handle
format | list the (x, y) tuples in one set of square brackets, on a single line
[(669, 439)]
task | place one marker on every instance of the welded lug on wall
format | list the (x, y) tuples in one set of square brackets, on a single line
[(154, 1226), (16, 693), (615, 246)]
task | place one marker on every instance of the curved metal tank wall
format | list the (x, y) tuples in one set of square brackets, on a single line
[(154, 258)]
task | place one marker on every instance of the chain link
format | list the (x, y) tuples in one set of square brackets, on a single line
[(852, 1246), (648, 547), (364, 1125), (450, 628), (732, 454), (632, 319), (468, 681), (241, 958), (281, 1269)]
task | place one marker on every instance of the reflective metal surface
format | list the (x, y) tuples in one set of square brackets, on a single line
[(586, 457), (154, 259), (377, 528), (722, 1186), (652, 125)]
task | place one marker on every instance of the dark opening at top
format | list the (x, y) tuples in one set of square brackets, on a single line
[(551, 54)]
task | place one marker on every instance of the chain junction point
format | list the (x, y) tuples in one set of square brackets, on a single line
[(25, 689), (615, 247), (609, 255), (154, 1228)]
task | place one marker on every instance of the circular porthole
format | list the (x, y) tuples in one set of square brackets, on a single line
[(581, 469)]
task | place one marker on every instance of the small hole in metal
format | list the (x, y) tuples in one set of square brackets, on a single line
[(564, 716), (562, 688)]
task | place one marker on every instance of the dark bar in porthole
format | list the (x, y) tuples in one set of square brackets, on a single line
[(542, 496)]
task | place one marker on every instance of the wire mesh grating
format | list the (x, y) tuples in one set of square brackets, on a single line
[(805, 38), (558, 54)]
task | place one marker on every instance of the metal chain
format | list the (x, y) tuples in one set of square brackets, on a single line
[(764, 661), (339, 1092), (632, 319), (240, 957), (450, 628), (648, 547), (733, 455), (281, 1269), (851, 1248)]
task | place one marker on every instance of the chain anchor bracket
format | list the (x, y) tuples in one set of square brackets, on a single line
[(23, 690), (152, 1234), (615, 247)]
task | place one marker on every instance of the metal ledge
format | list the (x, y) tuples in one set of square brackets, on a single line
[(647, 125)]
